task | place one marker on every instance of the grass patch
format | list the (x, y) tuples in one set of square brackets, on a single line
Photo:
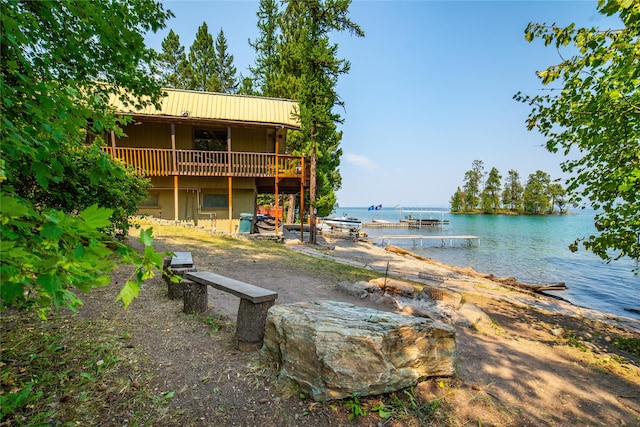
[(630, 345), (65, 371)]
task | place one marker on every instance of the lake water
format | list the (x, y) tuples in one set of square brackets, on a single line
[(533, 249)]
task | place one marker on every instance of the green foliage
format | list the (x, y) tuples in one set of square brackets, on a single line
[(472, 183), (202, 61), (538, 198), (490, 197), (631, 345), (512, 192), (536, 195), (61, 62), (594, 112), (223, 65), (296, 59), (173, 69), (457, 201), (355, 407)]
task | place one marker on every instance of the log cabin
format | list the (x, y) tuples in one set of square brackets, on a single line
[(208, 155)]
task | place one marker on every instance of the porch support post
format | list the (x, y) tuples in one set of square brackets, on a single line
[(277, 202), (277, 179), (301, 214), (230, 179), (113, 144), (230, 203), (175, 171)]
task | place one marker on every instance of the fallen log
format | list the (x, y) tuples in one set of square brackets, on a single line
[(534, 287)]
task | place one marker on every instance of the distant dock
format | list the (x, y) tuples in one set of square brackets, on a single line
[(407, 223), (418, 240)]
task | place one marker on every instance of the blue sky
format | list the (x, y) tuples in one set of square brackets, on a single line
[(430, 88)]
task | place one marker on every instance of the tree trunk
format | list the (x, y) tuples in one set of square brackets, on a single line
[(194, 297), (312, 189), (291, 210), (250, 325)]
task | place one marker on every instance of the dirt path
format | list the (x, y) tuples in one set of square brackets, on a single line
[(536, 362)]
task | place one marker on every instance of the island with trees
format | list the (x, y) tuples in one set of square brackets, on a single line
[(539, 196)]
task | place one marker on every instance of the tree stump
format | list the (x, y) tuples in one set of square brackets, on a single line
[(175, 290), (194, 296), (166, 262), (250, 325)]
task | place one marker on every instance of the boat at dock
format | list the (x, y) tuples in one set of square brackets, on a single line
[(345, 226)]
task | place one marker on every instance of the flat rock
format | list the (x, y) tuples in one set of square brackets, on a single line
[(333, 349)]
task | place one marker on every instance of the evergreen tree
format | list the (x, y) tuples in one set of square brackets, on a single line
[(246, 86), (457, 201), (202, 59), (224, 69), (512, 193), (558, 197), (491, 193), (173, 68), (536, 193), (472, 183), (307, 71), (266, 48)]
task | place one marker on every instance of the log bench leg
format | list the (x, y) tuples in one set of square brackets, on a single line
[(250, 325), (194, 297)]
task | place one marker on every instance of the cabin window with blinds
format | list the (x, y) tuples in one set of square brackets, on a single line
[(150, 202), (212, 201), (210, 139)]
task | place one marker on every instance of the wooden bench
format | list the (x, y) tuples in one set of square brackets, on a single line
[(179, 264), (252, 313)]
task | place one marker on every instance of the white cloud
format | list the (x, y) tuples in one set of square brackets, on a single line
[(360, 161)]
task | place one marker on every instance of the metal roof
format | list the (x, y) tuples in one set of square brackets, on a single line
[(211, 106)]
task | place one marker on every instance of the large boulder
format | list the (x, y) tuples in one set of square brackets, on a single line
[(333, 349)]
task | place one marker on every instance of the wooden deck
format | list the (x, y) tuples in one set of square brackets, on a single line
[(167, 162)]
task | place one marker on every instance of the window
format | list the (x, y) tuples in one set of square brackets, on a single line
[(215, 201), (210, 139), (150, 202)]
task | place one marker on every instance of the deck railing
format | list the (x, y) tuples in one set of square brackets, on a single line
[(160, 162)]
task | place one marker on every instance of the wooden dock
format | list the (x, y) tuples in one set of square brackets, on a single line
[(418, 240), (407, 223)]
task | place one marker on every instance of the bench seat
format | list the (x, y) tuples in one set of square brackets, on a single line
[(240, 289)]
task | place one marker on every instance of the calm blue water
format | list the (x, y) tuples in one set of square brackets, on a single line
[(530, 248)]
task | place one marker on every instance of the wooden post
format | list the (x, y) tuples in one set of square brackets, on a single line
[(250, 325), (302, 202), (113, 145), (277, 180), (194, 297), (230, 180), (174, 160)]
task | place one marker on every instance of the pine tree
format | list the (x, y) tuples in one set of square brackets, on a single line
[(224, 69), (491, 193), (306, 68), (173, 68), (457, 201), (536, 193), (472, 184), (266, 48), (202, 60), (512, 193)]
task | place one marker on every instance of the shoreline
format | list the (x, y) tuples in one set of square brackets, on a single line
[(462, 280)]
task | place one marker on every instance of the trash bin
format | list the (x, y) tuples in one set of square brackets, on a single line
[(245, 222)]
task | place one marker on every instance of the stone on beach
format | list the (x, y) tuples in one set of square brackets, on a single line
[(334, 349)]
